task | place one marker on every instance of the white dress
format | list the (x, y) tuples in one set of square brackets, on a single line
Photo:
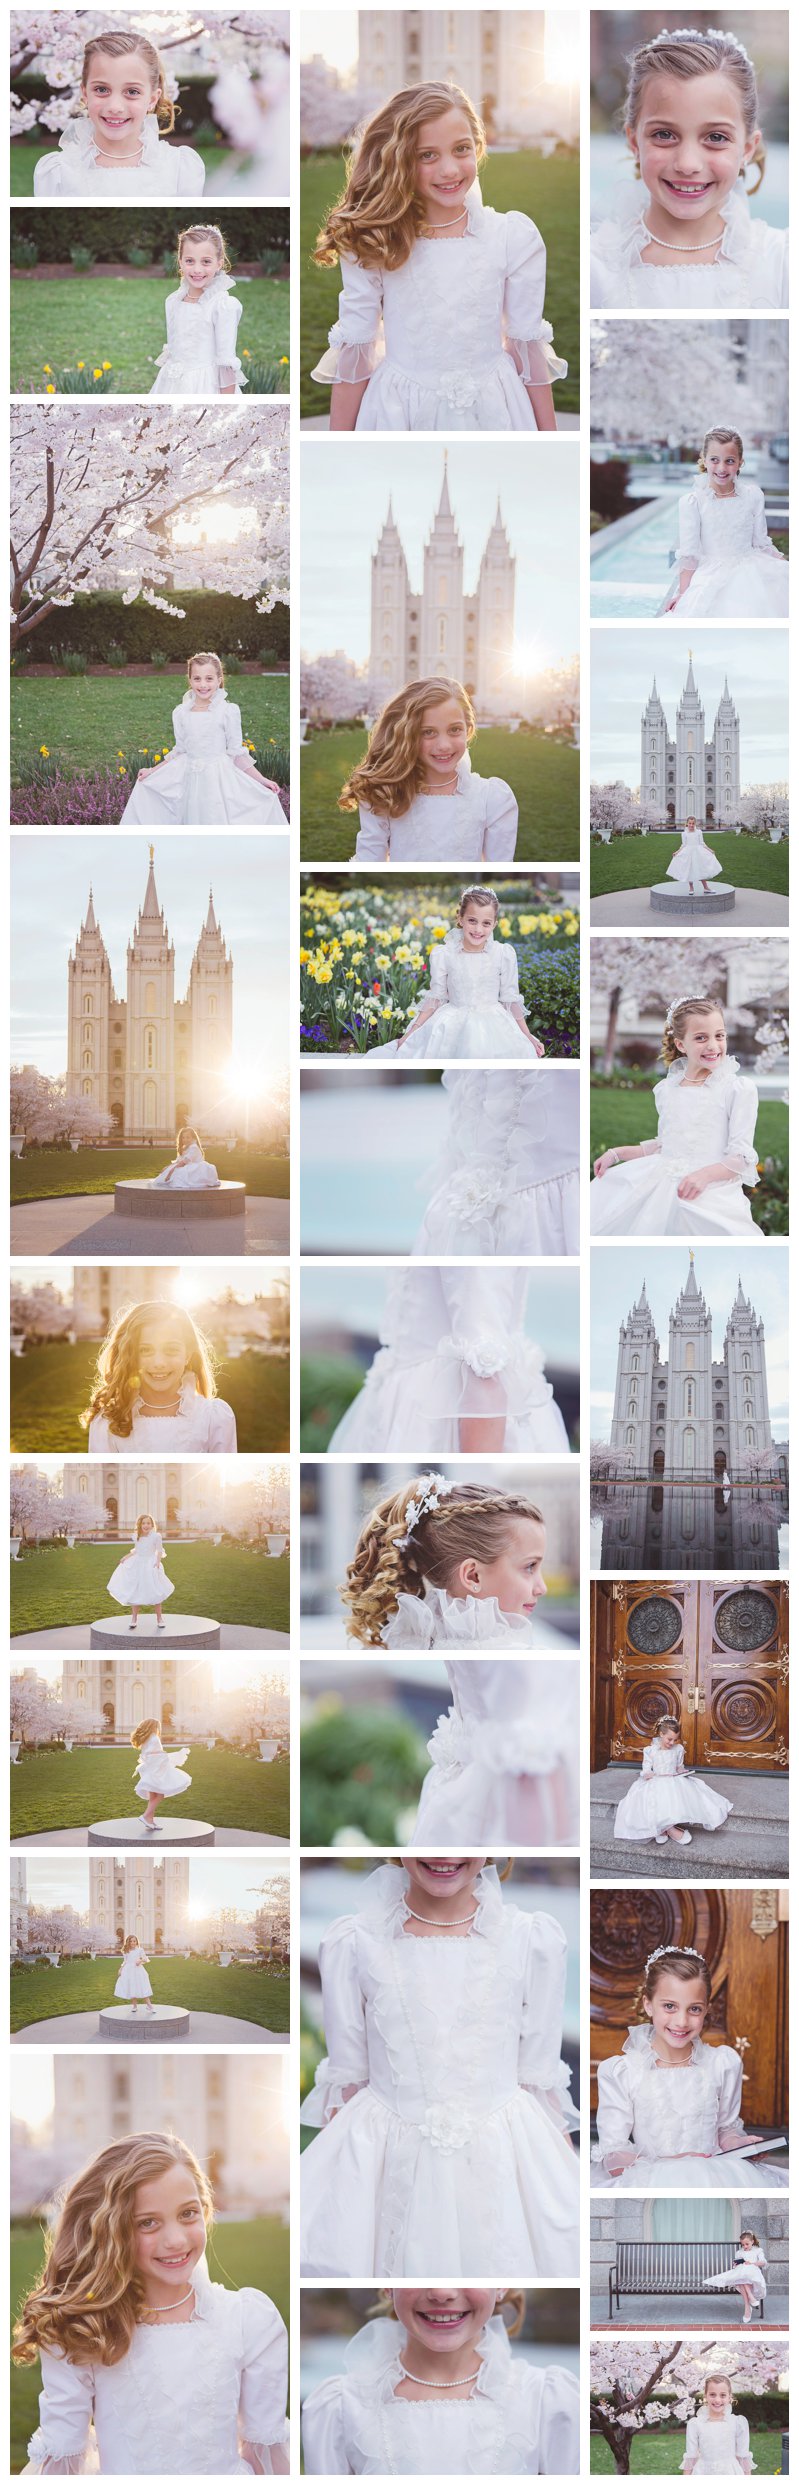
[(674, 2119), (505, 1754), (183, 2400), (719, 2444), (194, 1173), (140, 1578), (133, 1983), (452, 2155), (160, 1772), (693, 861), (751, 272), (736, 572), (709, 1125), (475, 992), (509, 1183), (750, 2265), (447, 341), (165, 171), (663, 1797), (199, 785), (201, 1424), (453, 1347), (476, 824), (199, 358), (521, 2420)]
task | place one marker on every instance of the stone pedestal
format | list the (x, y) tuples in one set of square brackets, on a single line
[(163, 2025), (180, 1631), (671, 897), (131, 1832), (142, 1199)]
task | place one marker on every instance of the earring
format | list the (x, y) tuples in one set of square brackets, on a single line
[(636, 170)]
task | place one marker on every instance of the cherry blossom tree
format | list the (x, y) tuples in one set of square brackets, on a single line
[(766, 807), (330, 113), (272, 1919), (666, 395), (31, 1102), (553, 697), (248, 49), (333, 690), (625, 2377), (34, 1706), (95, 497), (633, 970), (39, 1312), (616, 807)]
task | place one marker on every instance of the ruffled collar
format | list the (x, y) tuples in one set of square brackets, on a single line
[(640, 2041), (385, 1906), (187, 1393), (373, 2359), (476, 213), (78, 139), (436, 1619), (455, 940), (220, 284), (725, 1074), (628, 223), (189, 700), (702, 483)]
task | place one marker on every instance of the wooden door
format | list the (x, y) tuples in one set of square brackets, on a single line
[(713, 1654), (741, 1934)]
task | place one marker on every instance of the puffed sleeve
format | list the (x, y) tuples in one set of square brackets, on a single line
[(690, 535), (323, 2435), (355, 342), (346, 2063), (680, 1756), (614, 2114), (509, 976), (502, 821), (482, 1311), (761, 539), (60, 2444), (541, 2068), (648, 1762), (47, 176), (234, 744), (742, 2441), (730, 2089), (528, 335), (559, 2424), (691, 2443), (263, 2387), (227, 313), (191, 173), (222, 1429), (180, 728), (373, 842)]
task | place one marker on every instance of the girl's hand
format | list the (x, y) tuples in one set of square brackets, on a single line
[(692, 1185), (673, 600), (145, 772), (602, 1164), (537, 1048), (618, 2158)]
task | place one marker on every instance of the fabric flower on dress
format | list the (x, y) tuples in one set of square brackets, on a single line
[(448, 2127)]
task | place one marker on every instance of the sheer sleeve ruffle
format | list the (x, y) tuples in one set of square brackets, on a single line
[(614, 2118), (528, 335), (559, 2424), (231, 715), (740, 1150), (263, 2388), (355, 342), (509, 977), (346, 2064), (690, 532), (226, 317)]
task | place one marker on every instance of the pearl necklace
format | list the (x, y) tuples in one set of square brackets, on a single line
[(155, 2312), (441, 2385), (451, 787), (437, 1924), (430, 231), (690, 248)]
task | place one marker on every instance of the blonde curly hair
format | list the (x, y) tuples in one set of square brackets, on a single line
[(687, 53), (471, 1520), (116, 1376), (694, 1005), (380, 213), (90, 2296), (120, 45), (393, 773)]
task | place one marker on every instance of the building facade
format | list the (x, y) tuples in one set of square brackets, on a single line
[(227, 2107), (151, 1061), (498, 57), (127, 1689), (685, 776), (445, 630), (143, 1894)]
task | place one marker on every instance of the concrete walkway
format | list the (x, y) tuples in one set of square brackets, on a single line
[(233, 1635), (684, 2312), (208, 2027), (79, 1838), (753, 1842), (88, 1228), (753, 907)]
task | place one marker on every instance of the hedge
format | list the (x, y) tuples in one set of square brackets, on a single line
[(227, 623), (109, 231)]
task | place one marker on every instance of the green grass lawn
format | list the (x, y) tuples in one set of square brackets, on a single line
[(192, 1984), (55, 1588), (26, 153), (251, 2252), (635, 862), (50, 1385), (54, 1789), (85, 719), (660, 2454), (121, 320), (55, 1173), (544, 776), (547, 189)]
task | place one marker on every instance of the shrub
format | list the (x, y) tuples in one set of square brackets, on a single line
[(24, 253), (116, 655), (328, 1385), (82, 258), (209, 621), (232, 662), (608, 493), (106, 230), (273, 760), (360, 1769), (72, 661), (271, 262), (158, 658), (550, 988), (137, 256)]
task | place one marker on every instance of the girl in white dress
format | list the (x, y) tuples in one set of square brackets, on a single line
[(154, 1386), (416, 793), (149, 2368), (209, 778), (190, 1169), (441, 324), (694, 863), (140, 1579), (691, 124), (727, 564), (689, 1180), (669, 2111), (158, 1773), (133, 1983), (509, 1184), (115, 151), (716, 2440), (199, 358), (474, 1008), (455, 1369), (663, 1795), (442, 2106), (385, 2412), (460, 1567), (748, 2272)]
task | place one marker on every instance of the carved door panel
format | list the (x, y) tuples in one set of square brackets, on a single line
[(744, 1940), (713, 1655)]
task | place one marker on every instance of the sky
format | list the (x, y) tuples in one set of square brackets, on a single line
[(50, 884), (624, 661), (616, 1280), (357, 1295), (228, 1671), (214, 1882), (340, 529)]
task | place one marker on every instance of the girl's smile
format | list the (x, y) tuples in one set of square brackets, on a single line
[(162, 1361), (204, 682), (477, 926), (703, 1046), (443, 737), (117, 100), (721, 468), (199, 264)]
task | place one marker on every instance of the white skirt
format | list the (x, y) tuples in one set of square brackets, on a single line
[(479, 1788), (186, 376), (201, 1177), (133, 1983), (160, 1774), (724, 2173), (754, 589), (749, 2276), (451, 1034), (138, 1580), (491, 400), (656, 1803), (211, 793), (378, 2198), (641, 1198), (543, 1218), (400, 1407), (696, 863)]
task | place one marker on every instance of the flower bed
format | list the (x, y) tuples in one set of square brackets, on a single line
[(365, 962)]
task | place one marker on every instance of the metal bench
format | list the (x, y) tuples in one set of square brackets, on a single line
[(668, 2269)]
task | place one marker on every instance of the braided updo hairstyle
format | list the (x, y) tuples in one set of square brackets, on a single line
[(471, 1521)]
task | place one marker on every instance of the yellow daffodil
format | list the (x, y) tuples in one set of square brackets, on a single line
[(324, 975), (43, 751), (284, 358), (107, 366), (47, 369), (81, 366), (245, 353), (305, 955), (97, 375), (49, 391)]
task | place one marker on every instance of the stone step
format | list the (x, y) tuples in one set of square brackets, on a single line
[(762, 1851)]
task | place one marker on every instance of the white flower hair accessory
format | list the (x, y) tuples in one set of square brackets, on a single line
[(703, 997), (433, 1489), (695, 34), (675, 1950)]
